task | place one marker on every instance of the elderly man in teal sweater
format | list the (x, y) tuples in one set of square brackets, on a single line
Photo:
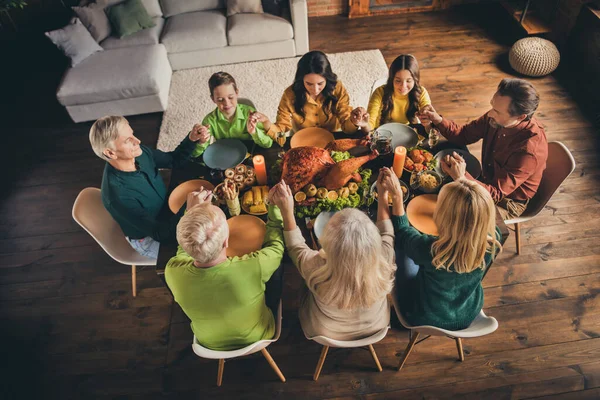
[(133, 191), (224, 297)]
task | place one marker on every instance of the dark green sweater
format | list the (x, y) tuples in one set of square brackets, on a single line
[(436, 297), (136, 199)]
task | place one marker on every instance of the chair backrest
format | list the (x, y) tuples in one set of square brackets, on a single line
[(204, 352), (481, 325), (90, 214), (247, 102), (374, 338), (377, 83), (559, 166)]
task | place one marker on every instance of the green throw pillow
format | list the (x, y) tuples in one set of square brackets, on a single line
[(129, 17)]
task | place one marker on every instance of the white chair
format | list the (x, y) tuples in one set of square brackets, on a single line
[(246, 102), (482, 325), (346, 344), (250, 349), (377, 83), (559, 166), (90, 214)]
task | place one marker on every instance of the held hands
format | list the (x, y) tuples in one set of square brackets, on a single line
[(228, 193), (428, 115), (200, 133), (253, 119), (281, 196), (359, 117), (454, 166), (388, 182), (198, 197), (263, 119)]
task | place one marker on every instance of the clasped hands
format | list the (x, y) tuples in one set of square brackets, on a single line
[(389, 185), (359, 117), (198, 197), (454, 166)]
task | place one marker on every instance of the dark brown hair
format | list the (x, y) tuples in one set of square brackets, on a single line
[(314, 62), (218, 79), (524, 98), (409, 63)]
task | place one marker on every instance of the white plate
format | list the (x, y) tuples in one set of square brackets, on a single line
[(402, 135), (320, 222)]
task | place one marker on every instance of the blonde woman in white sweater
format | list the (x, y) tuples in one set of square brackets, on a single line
[(349, 279)]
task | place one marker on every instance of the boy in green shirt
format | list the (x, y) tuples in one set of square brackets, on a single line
[(230, 120), (224, 297)]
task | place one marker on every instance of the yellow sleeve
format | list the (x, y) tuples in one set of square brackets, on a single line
[(375, 107), (424, 100), (343, 110), (283, 123)]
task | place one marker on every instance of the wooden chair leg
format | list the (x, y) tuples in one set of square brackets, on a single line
[(518, 237), (272, 364), (133, 281), (374, 355), (409, 348), (220, 372), (320, 363), (461, 355)]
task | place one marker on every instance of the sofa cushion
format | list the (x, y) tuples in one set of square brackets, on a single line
[(246, 29), (195, 31), (75, 41), (116, 74), (145, 36), (95, 20), (174, 7), (151, 6), (128, 17), (243, 6)]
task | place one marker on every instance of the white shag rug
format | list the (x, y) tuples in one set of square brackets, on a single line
[(263, 82)]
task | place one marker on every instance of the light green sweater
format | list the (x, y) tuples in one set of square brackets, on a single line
[(226, 302)]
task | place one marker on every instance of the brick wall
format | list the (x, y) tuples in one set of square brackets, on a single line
[(320, 8)]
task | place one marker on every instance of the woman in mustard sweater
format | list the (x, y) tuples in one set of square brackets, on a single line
[(316, 99), (443, 286), (401, 98)]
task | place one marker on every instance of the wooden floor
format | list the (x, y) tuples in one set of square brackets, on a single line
[(70, 328)]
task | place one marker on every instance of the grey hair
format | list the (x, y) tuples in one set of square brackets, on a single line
[(103, 134), (202, 232)]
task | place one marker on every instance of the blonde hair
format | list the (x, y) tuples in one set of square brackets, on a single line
[(202, 231), (104, 132), (466, 219), (355, 274)]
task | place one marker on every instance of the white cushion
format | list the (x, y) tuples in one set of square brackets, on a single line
[(75, 41), (175, 7), (116, 74), (145, 36), (257, 28), (195, 31)]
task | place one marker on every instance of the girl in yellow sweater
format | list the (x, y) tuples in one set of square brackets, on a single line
[(401, 98)]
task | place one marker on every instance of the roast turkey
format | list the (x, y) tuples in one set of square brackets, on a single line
[(305, 165)]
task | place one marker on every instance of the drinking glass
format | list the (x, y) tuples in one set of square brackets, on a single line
[(381, 141)]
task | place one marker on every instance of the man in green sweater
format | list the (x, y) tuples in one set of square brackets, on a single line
[(133, 191), (224, 297)]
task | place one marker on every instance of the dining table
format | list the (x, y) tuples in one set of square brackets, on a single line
[(196, 169)]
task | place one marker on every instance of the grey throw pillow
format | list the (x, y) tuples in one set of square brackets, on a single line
[(75, 41), (95, 20), (244, 6)]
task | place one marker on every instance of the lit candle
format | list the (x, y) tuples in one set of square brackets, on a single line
[(399, 158), (260, 169)]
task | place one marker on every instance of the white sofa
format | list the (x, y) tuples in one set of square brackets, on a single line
[(133, 75)]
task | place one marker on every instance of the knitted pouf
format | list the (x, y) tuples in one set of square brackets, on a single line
[(534, 56)]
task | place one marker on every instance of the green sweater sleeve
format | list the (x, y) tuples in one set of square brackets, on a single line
[(173, 159), (271, 254), (416, 245), (260, 137)]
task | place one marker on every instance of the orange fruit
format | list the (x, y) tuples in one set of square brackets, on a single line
[(332, 195), (300, 196)]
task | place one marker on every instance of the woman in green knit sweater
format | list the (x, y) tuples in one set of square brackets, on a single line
[(442, 287)]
